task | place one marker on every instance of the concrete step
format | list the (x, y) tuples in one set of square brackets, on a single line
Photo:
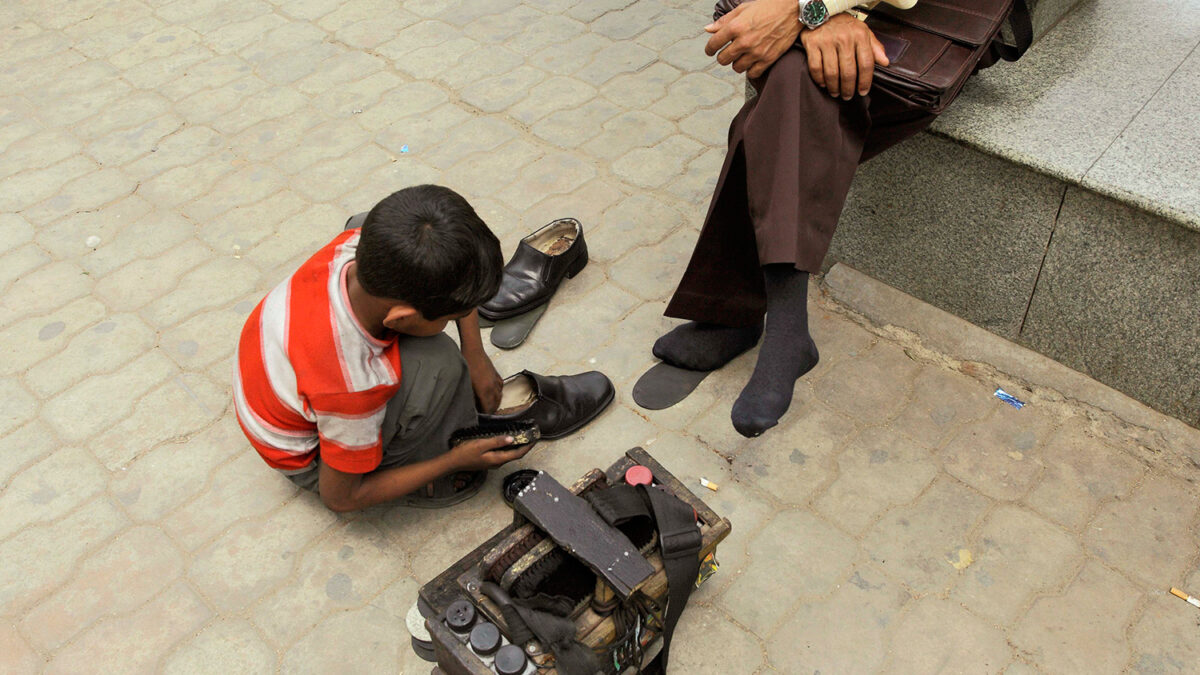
[(1057, 202)]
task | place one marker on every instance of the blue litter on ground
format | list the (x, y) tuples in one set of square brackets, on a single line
[(404, 148), (1010, 399)]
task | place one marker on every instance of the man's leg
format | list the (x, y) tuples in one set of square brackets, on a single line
[(435, 400)]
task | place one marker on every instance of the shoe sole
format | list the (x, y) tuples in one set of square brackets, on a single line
[(666, 385)]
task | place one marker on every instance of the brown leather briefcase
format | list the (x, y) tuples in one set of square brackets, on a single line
[(935, 46)]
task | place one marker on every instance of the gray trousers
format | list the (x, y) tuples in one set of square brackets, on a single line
[(435, 400)]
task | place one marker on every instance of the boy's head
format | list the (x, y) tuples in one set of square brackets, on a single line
[(426, 248)]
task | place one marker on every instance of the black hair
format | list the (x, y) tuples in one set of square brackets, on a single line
[(426, 247)]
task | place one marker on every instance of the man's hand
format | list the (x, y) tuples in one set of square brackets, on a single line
[(485, 381), (754, 35), (842, 54), (483, 454)]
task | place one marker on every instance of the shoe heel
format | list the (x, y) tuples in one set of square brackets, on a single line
[(579, 263)]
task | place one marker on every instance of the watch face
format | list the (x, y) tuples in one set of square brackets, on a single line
[(814, 13)]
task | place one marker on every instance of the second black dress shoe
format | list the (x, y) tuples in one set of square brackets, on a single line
[(542, 261), (559, 405)]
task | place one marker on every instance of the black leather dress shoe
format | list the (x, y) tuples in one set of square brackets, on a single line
[(559, 405), (542, 261)]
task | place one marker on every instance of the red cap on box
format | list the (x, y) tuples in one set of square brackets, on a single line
[(639, 475)]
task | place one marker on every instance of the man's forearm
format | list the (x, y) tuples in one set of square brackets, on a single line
[(346, 492), (469, 337)]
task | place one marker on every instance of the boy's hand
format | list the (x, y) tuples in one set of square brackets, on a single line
[(483, 453), (486, 382), (842, 54), (754, 35)]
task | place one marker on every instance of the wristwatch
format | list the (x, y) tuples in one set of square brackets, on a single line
[(813, 13)]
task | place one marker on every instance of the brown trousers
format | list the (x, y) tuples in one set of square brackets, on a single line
[(792, 154)]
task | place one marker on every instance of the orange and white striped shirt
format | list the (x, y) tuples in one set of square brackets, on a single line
[(308, 377)]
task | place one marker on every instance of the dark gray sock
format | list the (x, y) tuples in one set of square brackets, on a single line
[(787, 352), (705, 346)]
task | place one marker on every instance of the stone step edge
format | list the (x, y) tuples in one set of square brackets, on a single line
[(1145, 203), (937, 336)]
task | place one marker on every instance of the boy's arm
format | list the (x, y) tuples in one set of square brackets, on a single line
[(342, 492), (486, 382)]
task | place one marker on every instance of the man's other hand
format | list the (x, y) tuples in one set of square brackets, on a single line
[(485, 381), (754, 35), (484, 453), (842, 55)]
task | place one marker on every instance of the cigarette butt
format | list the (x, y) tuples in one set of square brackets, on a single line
[(1184, 596), (708, 484)]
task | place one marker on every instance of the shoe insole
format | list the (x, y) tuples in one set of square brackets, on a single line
[(665, 385), (518, 393), (355, 220), (485, 323), (510, 333), (555, 237)]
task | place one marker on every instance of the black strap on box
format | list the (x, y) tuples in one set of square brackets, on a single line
[(679, 541)]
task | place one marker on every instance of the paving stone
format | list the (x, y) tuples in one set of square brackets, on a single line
[(240, 188), (181, 184), (101, 400), (41, 557), (939, 636), (549, 29), (503, 25), (22, 190), (395, 601), (130, 111), (569, 58), (102, 348), (226, 645), (1081, 473), (190, 401), (1082, 629), (19, 405), (796, 551), (214, 73), (624, 23), (1001, 456), (615, 59), (369, 638), (26, 445), (444, 146), (127, 145), (870, 386), (294, 241), (181, 148), (19, 262), (143, 281), (877, 471), (104, 586), (845, 633), (16, 656), (747, 510), (233, 37), (38, 151), (208, 286), (709, 642), (1140, 534), (1020, 554), (340, 572), (1163, 638), (333, 178), (793, 464), (85, 193), (602, 307), (588, 204), (243, 488), (694, 90), (699, 178), (673, 25), (281, 137), (150, 487), (652, 273), (253, 557), (651, 168), (239, 229), (941, 402), (14, 231), (167, 619), (50, 489), (918, 544), (711, 125), (553, 94)]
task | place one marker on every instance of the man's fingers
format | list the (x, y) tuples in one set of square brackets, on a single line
[(497, 442), (829, 62), (815, 68), (866, 68), (743, 63), (849, 72), (880, 53)]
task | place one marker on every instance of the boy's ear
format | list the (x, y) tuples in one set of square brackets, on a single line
[(399, 316)]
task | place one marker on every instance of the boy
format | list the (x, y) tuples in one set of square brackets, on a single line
[(344, 380)]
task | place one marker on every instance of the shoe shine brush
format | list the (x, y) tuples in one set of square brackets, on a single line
[(523, 432)]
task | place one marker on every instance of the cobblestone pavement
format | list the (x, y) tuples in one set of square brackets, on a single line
[(163, 164)]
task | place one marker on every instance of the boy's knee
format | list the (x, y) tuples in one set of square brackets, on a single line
[(436, 354)]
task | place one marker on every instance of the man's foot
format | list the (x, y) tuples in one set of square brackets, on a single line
[(705, 346), (787, 353)]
